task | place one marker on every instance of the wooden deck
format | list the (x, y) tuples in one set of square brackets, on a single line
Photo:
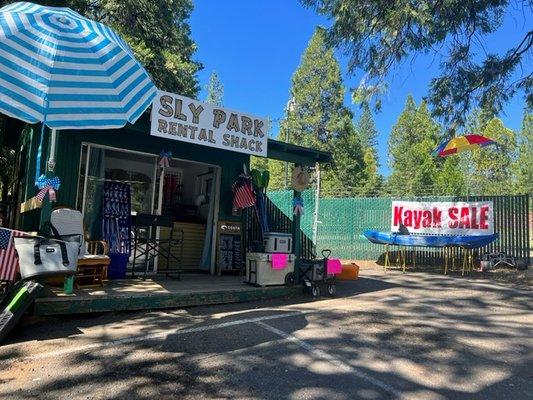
[(156, 293)]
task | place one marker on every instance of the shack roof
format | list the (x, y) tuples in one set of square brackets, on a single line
[(296, 154), (10, 130)]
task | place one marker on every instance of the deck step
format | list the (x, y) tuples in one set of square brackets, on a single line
[(61, 305)]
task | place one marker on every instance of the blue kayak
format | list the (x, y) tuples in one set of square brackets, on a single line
[(470, 242)]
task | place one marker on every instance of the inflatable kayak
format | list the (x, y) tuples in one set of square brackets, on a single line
[(470, 242)]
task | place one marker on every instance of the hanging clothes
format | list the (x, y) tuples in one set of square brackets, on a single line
[(116, 223)]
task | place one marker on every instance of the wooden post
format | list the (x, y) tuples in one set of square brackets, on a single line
[(445, 260), (296, 244), (386, 263), (317, 204)]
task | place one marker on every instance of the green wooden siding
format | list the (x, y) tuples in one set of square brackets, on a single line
[(136, 138), (29, 221), (69, 154)]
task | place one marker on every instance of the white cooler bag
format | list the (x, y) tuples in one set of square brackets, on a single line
[(39, 257)]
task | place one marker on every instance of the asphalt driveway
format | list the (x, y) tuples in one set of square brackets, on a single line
[(412, 336)]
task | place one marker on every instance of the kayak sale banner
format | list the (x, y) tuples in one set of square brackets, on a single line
[(443, 218)]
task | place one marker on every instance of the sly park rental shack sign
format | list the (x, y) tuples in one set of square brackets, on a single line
[(444, 218), (181, 118)]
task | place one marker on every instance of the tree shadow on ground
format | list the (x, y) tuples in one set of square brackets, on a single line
[(57, 327), (428, 337)]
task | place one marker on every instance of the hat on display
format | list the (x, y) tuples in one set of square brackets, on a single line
[(300, 178)]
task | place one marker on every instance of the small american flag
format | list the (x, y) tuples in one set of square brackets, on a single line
[(8, 255), (243, 192)]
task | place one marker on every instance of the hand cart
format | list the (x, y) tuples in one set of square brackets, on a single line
[(313, 274)]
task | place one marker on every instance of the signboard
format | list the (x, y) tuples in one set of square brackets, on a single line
[(181, 118), (229, 257), (445, 218)]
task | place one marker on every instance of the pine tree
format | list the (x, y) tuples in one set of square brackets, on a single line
[(489, 171), (319, 97), (450, 179), (379, 36), (524, 164), (160, 35), (477, 120), (320, 119), (371, 181), (347, 175), (215, 90), (411, 141), (366, 127)]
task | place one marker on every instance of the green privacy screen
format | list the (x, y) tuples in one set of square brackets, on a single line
[(341, 222)]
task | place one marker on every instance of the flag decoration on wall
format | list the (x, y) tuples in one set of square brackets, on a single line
[(47, 186), (8, 255), (243, 192)]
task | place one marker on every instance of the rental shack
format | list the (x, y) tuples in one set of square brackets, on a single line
[(180, 161)]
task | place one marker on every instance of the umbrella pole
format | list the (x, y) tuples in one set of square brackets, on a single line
[(52, 158), (46, 208)]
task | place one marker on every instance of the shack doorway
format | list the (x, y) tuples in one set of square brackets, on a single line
[(184, 190)]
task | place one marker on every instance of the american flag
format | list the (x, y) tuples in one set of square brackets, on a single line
[(8, 255), (243, 192)]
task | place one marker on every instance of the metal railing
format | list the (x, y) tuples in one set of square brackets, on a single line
[(278, 222)]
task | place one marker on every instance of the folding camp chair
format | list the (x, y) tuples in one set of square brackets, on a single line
[(147, 246)]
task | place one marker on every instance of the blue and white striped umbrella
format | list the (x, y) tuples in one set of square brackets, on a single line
[(68, 71)]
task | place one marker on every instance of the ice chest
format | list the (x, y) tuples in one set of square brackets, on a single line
[(259, 270), (275, 242)]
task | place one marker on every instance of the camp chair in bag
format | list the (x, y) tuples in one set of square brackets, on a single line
[(93, 260)]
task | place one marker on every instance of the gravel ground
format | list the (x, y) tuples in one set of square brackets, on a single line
[(508, 275)]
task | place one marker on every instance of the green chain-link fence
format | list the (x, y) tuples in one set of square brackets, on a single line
[(341, 221)]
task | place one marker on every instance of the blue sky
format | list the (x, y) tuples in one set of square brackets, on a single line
[(255, 47)]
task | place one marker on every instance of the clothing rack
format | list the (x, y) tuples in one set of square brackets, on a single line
[(92, 178)]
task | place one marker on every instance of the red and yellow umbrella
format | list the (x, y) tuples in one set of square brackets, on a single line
[(461, 143)]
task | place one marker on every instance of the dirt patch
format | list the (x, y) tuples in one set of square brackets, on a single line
[(507, 275), (510, 276)]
